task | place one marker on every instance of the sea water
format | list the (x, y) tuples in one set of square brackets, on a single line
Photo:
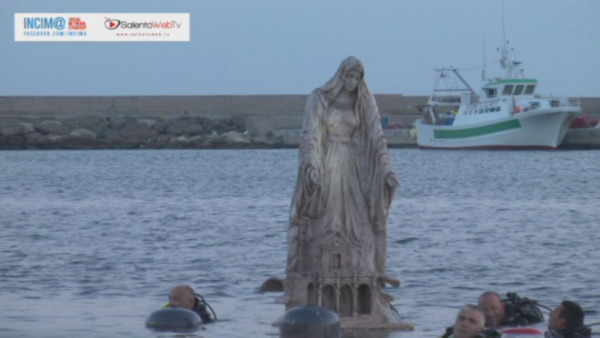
[(91, 242)]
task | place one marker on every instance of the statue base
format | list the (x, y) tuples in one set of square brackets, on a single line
[(356, 297)]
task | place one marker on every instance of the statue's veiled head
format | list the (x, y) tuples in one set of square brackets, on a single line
[(350, 75)]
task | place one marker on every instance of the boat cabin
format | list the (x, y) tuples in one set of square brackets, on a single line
[(455, 103), (510, 88)]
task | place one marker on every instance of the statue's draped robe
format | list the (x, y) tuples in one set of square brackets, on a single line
[(346, 147)]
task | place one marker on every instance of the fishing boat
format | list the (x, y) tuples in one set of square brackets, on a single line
[(507, 115)]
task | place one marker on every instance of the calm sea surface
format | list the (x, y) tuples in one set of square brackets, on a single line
[(91, 242)]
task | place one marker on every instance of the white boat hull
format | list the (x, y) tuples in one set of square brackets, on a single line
[(538, 129)]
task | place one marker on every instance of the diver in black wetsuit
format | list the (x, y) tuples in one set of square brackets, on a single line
[(513, 311), (200, 306), (566, 321), (184, 296), (469, 324)]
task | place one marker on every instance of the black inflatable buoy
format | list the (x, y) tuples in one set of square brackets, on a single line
[(310, 321), (174, 319)]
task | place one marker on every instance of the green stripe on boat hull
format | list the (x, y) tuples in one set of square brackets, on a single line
[(476, 131)]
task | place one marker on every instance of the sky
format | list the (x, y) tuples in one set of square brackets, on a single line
[(244, 47)]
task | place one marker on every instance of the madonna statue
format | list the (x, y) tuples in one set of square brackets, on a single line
[(345, 178), (337, 238)]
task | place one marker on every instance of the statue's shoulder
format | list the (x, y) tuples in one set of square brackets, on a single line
[(316, 97), (315, 94)]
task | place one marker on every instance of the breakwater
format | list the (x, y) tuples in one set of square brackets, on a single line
[(219, 121)]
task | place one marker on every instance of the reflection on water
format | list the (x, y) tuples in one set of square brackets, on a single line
[(92, 241)]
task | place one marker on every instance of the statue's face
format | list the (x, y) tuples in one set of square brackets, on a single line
[(352, 80)]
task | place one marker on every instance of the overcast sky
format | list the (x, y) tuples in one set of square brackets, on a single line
[(291, 47)]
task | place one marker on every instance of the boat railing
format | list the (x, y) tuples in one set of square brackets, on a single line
[(556, 101), (574, 102), (449, 99), (430, 114)]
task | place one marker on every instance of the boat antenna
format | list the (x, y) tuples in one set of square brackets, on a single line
[(483, 70), (503, 31), (505, 61)]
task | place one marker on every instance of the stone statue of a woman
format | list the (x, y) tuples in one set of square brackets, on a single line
[(345, 178)]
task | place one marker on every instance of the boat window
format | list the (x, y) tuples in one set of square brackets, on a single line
[(529, 89), (490, 92), (507, 90), (519, 90)]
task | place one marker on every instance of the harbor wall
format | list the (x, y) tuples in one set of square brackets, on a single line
[(179, 121), (259, 113)]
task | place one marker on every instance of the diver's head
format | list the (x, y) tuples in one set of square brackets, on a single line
[(493, 308), (568, 315), (182, 296), (469, 321)]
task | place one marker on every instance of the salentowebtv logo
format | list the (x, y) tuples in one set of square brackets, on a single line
[(123, 27), (113, 24)]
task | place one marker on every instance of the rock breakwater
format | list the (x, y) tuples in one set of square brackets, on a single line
[(127, 133)]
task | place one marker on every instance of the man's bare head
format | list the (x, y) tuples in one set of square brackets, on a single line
[(469, 321), (493, 308), (182, 296)]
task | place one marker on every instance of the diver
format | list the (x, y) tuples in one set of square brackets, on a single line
[(566, 321), (184, 296), (469, 323), (513, 311)]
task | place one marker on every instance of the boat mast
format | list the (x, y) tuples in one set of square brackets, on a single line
[(503, 30), (505, 61), (483, 69)]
